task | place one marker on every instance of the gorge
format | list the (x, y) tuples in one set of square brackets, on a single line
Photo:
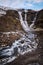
[(17, 28)]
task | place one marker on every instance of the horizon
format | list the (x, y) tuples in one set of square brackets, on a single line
[(24, 4)]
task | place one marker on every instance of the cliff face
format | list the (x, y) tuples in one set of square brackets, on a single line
[(39, 20), (30, 16)]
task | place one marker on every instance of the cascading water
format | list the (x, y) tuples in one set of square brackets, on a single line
[(29, 43), (23, 22)]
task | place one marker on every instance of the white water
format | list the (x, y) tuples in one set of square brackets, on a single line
[(23, 22), (19, 48)]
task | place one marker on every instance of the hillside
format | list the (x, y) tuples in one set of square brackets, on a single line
[(9, 19)]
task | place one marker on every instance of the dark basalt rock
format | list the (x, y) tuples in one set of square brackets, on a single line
[(39, 20), (30, 16)]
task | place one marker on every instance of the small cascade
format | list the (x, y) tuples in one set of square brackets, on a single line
[(24, 22), (33, 21)]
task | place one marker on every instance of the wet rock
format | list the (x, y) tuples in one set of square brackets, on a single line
[(22, 41), (30, 16), (15, 51), (39, 20)]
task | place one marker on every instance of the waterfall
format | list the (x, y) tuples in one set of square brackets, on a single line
[(23, 22), (33, 21)]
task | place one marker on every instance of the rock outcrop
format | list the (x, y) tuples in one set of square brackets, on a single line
[(39, 20)]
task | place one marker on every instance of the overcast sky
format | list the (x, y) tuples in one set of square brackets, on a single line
[(26, 4)]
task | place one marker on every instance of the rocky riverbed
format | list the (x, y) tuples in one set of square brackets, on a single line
[(32, 57)]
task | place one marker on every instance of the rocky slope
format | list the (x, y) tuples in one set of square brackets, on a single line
[(39, 20), (9, 22)]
